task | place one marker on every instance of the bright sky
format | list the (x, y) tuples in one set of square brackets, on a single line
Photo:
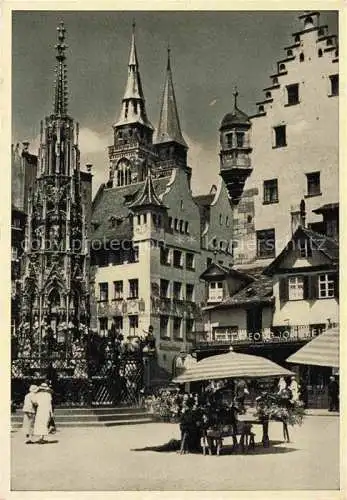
[(211, 52)]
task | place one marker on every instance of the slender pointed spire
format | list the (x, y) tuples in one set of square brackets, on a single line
[(169, 129), (61, 90), (133, 104)]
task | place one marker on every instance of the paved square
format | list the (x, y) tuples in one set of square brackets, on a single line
[(106, 459)]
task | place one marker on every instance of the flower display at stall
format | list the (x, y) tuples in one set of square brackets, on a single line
[(280, 408)]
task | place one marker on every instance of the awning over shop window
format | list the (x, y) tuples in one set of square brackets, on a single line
[(321, 351)]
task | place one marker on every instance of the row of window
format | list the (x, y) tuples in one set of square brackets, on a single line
[(177, 290), (177, 257), (116, 258), (235, 140), (270, 188), (321, 286), (119, 324), (176, 323), (179, 225), (118, 290), (293, 95), (156, 219)]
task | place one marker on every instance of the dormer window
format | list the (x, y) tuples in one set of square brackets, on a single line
[(216, 293), (304, 248)]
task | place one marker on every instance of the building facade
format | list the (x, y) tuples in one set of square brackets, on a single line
[(294, 140), (151, 238)]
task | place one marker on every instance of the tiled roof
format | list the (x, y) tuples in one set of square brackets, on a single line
[(328, 246), (147, 196), (325, 208), (204, 200), (322, 243), (258, 292), (115, 202)]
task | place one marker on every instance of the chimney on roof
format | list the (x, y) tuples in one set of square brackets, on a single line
[(298, 216)]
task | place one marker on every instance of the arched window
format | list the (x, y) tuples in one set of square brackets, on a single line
[(227, 220), (268, 95), (289, 52), (297, 39), (320, 52), (275, 80), (261, 109), (220, 219), (302, 57), (282, 67)]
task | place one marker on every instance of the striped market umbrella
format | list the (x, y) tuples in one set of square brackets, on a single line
[(321, 351), (232, 365)]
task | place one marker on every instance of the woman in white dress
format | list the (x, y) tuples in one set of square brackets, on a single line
[(281, 385), (44, 412), (294, 387), (29, 409)]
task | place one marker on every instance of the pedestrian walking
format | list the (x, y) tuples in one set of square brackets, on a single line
[(281, 385), (29, 410), (44, 412), (294, 388), (241, 393), (333, 394)]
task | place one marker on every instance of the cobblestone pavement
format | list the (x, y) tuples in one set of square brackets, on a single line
[(113, 459)]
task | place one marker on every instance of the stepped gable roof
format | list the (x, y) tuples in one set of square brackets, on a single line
[(115, 202), (320, 242)]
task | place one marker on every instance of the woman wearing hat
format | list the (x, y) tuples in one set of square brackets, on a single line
[(29, 410), (44, 412)]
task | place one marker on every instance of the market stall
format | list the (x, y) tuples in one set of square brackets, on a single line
[(218, 412)]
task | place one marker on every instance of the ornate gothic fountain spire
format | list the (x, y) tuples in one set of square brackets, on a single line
[(61, 89)]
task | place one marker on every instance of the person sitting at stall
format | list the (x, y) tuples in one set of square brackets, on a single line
[(241, 393)]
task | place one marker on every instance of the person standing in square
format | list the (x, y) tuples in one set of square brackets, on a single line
[(29, 410)]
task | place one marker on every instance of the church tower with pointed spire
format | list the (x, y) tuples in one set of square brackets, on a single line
[(169, 142), (235, 162), (133, 133), (55, 290)]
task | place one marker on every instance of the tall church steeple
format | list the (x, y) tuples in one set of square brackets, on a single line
[(169, 129), (133, 132), (169, 142), (133, 108)]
